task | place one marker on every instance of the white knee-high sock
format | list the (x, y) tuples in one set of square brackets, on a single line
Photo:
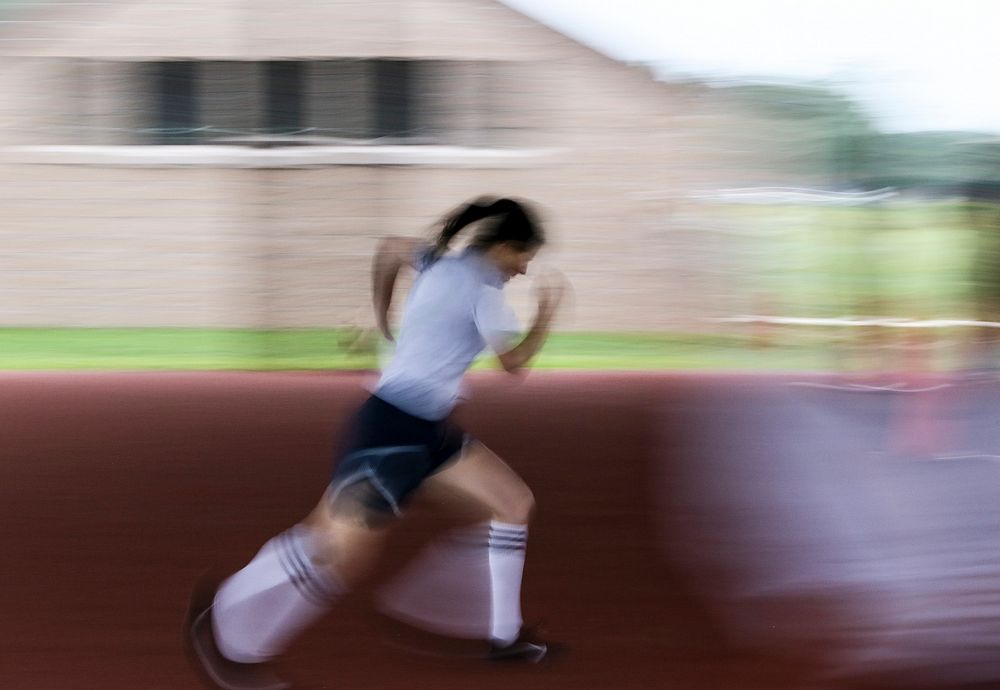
[(506, 550), (263, 607)]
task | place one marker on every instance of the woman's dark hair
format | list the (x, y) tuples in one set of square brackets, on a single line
[(510, 221)]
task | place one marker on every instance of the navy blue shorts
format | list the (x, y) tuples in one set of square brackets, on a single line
[(393, 452)]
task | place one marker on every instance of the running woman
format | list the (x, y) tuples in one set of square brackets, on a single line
[(400, 438)]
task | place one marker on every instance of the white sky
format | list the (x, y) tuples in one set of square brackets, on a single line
[(916, 64)]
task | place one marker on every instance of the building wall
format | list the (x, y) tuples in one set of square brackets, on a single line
[(127, 238)]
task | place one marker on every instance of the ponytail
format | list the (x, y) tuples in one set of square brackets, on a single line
[(453, 224), (516, 224)]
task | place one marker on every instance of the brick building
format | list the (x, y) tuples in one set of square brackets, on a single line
[(230, 163)]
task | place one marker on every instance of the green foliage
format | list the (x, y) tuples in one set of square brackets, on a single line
[(817, 130), (904, 260)]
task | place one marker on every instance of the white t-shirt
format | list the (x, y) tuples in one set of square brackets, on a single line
[(455, 309)]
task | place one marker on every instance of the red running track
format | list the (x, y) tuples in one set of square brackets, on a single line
[(117, 490)]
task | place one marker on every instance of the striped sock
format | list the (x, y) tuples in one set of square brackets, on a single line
[(263, 607), (506, 550)]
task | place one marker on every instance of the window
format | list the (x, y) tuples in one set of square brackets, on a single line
[(393, 107), (177, 110), (355, 110), (278, 102), (283, 111)]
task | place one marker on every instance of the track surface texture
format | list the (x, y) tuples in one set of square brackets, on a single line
[(698, 532)]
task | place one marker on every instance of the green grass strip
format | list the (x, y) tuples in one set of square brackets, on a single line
[(321, 349)]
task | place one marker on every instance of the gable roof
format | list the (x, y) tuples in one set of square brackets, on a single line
[(261, 29)]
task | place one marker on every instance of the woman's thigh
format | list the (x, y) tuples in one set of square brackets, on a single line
[(481, 477)]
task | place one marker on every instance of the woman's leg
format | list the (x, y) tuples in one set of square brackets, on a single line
[(350, 532), (295, 578), (482, 478)]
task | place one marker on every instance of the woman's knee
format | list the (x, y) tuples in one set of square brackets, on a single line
[(346, 552), (342, 545), (324, 548), (517, 507)]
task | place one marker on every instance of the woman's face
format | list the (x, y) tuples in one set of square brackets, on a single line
[(511, 258)]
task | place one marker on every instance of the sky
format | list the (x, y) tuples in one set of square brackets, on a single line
[(913, 64)]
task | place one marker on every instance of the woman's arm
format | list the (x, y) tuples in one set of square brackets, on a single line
[(391, 254), (550, 294)]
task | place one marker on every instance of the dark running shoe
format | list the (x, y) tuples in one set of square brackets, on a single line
[(219, 671), (527, 647)]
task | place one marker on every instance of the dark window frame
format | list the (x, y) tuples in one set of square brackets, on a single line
[(391, 101)]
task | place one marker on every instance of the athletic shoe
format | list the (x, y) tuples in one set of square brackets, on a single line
[(527, 647), (204, 653)]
